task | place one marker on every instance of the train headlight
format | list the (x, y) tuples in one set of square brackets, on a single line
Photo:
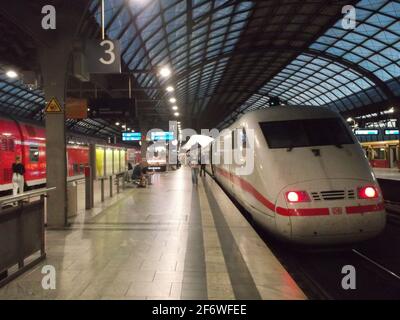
[(297, 196), (368, 192)]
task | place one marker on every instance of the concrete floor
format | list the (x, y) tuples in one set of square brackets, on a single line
[(168, 241)]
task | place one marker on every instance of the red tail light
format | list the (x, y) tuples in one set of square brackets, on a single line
[(297, 196), (368, 192)]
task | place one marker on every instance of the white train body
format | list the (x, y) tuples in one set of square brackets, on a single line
[(301, 191)]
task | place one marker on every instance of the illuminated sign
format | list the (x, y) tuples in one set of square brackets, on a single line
[(393, 131), (161, 135), (131, 136), (366, 132)]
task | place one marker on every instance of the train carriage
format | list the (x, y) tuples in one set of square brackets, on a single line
[(29, 142), (311, 181)]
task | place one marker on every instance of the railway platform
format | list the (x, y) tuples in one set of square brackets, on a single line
[(172, 240), (387, 173), (389, 181)]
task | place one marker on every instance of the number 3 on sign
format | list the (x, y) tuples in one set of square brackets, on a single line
[(109, 51)]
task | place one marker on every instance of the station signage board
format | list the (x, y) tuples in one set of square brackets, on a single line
[(366, 132), (131, 136), (76, 108), (108, 108), (392, 131), (161, 135)]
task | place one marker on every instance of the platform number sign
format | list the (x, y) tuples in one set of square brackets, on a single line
[(103, 56), (109, 51)]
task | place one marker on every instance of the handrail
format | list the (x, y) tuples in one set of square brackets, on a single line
[(25, 195)]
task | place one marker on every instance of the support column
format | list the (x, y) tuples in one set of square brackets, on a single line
[(54, 62), (92, 164)]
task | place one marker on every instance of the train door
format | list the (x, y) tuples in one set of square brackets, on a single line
[(231, 163), (393, 156)]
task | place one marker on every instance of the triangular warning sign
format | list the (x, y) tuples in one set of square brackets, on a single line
[(53, 106)]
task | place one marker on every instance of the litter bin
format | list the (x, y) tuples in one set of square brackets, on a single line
[(72, 198)]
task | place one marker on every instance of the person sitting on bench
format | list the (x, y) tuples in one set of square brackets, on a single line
[(140, 172)]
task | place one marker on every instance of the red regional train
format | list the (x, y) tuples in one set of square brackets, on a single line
[(29, 142)]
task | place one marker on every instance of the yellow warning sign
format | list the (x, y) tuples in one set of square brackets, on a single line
[(53, 106)]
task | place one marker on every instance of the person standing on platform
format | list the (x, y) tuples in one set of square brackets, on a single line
[(203, 166), (194, 165), (18, 170)]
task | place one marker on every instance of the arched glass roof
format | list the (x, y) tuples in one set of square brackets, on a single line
[(343, 69), (19, 100), (179, 34), (228, 57)]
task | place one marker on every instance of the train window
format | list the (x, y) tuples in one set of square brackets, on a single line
[(7, 144), (34, 154), (75, 168), (243, 138), (379, 153), (305, 133)]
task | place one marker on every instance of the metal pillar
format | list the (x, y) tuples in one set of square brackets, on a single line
[(102, 189), (111, 186), (88, 188)]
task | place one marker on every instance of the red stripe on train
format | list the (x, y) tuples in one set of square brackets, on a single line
[(366, 208), (303, 212), (246, 186)]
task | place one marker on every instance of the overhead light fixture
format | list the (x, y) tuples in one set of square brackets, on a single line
[(172, 100), (165, 72), (132, 130), (176, 114), (117, 123), (170, 89), (11, 74), (350, 119), (175, 108), (123, 126), (128, 129), (391, 110)]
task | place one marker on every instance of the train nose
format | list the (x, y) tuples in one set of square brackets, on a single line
[(332, 211)]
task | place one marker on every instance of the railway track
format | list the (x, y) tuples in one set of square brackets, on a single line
[(319, 272)]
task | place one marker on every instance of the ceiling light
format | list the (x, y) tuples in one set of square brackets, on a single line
[(175, 108), (170, 89), (172, 100), (117, 123), (391, 110), (11, 74), (123, 126), (176, 114), (165, 72), (128, 129), (350, 119)]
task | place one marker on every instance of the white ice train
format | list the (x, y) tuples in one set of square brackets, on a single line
[(311, 181)]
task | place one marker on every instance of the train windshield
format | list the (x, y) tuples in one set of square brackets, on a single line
[(305, 133)]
